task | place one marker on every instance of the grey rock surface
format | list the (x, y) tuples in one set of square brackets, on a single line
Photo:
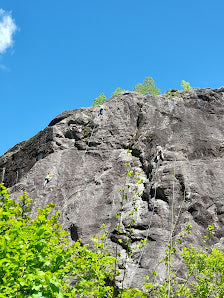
[(87, 154)]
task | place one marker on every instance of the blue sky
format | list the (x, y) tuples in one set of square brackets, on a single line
[(60, 55)]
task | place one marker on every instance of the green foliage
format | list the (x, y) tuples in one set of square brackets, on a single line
[(185, 85), (148, 87), (117, 91), (87, 132), (130, 194), (132, 293), (99, 100), (172, 93), (204, 276), (207, 268), (37, 259)]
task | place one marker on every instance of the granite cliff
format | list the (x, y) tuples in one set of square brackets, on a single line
[(87, 156)]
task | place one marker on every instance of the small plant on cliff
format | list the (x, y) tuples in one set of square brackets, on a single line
[(172, 93), (185, 85), (117, 91)]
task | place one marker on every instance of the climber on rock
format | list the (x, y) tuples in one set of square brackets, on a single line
[(159, 153), (101, 110), (47, 179)]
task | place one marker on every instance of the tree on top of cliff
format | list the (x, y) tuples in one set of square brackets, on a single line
[(99, 100), (148, 87), (117, 91)]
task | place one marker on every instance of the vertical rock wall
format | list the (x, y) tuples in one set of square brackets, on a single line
[(87, 156)]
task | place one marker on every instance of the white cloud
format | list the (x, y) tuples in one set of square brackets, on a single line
[(7, 29)]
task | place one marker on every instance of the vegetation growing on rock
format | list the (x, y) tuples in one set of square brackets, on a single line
[(117, 91), (185, 85), (99, 100), (37, 260), (148, 87), (88, 157)]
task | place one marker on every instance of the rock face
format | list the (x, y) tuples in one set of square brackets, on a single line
[(88, 157)]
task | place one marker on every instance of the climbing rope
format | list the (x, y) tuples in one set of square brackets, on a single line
[(174, 223), (17, 175), (171, 233), (185, 185), (39, 190), (87, 146), (150, 220), (3, 174), (149, 226)]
